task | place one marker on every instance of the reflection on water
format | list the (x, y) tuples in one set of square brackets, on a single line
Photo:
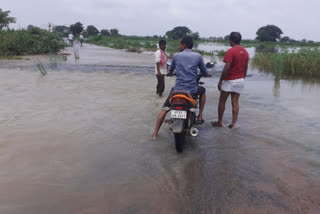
[(79, 141), (276, 88), (267, 49)]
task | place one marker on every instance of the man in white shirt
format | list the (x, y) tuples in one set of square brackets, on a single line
[(70, 37), (81, 39), (161, 67)]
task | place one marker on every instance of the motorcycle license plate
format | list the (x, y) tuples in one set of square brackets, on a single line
[(178, 114)]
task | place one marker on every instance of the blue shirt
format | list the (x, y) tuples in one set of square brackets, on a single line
[(186, 64)]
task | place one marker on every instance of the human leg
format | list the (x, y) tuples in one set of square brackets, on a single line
[(160, 120), (158, 83), (235, 108), (221, 107), (202, 93), (162, 115), (161, 85)]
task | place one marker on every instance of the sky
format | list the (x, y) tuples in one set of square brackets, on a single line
[(298, 19)]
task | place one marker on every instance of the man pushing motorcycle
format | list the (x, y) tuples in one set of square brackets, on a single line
[(186, 64)]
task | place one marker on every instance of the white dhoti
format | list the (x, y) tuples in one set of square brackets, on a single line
[(235, 86)]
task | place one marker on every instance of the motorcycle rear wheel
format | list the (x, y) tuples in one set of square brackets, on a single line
[(179, 141)]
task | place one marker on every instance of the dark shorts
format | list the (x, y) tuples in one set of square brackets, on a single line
[(166, 105)]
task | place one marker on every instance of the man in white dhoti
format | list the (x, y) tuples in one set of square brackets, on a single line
[(232, 78)]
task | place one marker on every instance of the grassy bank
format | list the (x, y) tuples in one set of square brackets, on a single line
[(133, 44), (256, 43), (304, 63), (35, 41), (138, 44), (11, 58)]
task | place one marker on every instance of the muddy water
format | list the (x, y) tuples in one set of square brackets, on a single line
[(79, 141)]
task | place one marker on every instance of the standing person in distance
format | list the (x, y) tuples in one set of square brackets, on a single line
[(232, 78), (70, 37), (161, 67), (81, 39)]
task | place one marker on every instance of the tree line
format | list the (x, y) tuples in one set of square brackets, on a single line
[(268, 33), (78, 28)]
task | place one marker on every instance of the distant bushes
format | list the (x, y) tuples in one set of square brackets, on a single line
[(132, 44), (33, 41)]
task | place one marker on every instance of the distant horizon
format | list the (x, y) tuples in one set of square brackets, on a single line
[(164, 35)]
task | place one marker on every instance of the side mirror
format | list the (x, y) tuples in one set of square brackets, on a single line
[(210, 65)]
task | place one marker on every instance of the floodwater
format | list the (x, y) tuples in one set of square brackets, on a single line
[(78, 141)]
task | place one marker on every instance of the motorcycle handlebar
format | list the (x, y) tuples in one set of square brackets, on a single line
[(200, 75)]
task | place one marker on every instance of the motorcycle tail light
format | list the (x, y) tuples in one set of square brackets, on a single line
[(179, 108), (179, 100)]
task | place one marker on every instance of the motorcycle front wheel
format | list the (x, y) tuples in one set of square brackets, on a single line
[(179, 140)]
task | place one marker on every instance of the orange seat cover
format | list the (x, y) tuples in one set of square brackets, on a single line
[(191, 100)]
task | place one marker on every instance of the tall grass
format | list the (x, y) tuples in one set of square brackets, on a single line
[(35, 41), (305, 63)]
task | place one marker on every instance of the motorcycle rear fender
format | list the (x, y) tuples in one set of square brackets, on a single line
[(178, 125)]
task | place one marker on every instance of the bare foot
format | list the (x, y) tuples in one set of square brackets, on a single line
[(232, 125), (200, 121), (216, 124), (154, 136)]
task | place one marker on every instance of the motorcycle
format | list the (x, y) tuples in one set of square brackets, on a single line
[(184, 115)]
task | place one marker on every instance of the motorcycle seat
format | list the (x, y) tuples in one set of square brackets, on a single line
[(184, 95)]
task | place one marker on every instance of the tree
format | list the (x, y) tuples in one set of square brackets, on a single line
[(195, 36), (285, 39), (269, 33), (60, 29), (226, 37), (76, 28), (5, 20), (30, 27), (92, 30), (114, 32), (178, 32), (105, 32)]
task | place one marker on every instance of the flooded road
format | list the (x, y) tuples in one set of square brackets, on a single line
[(78, 141)]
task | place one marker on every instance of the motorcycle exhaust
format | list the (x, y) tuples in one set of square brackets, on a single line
[(194, 132)]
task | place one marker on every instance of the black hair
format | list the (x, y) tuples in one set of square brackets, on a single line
[(235, 37), (162, 41), (188, 41)]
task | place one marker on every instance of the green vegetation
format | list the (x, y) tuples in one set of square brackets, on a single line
[(34, 41), (248, 43), (76, 28), (21, 42), (131, 43), (92, 30), (305, 62), (5, 19), (11, 58), (269, 33), (181, 31), (139, 44), (221, 53), (114, 32), (105, 32)]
